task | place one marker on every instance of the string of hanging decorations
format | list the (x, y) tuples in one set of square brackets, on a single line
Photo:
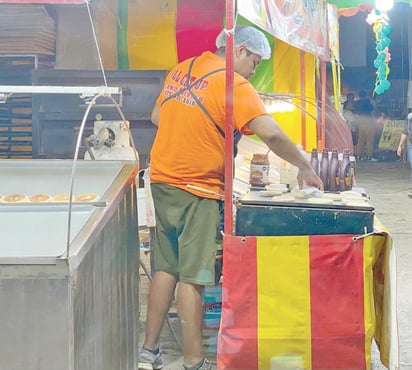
[(382, 29)]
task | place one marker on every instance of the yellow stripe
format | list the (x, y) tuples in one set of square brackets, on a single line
[(283, 301), (151, 34), (287, 59), (372, 250)]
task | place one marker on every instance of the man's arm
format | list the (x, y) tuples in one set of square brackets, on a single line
[(279, 143), (401, 143)]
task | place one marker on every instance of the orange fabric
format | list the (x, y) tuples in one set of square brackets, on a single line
[(188, 148)]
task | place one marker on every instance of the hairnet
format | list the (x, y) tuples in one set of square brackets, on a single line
[(251, 38)]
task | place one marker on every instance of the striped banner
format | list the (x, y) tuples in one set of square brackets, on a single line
[(301, 302), (162, 33)]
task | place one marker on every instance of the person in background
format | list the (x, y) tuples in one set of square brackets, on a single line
[(350, 116), (366, 124), (406, 138), (187, 180), (380, 117)]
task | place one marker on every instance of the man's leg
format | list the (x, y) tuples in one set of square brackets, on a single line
[(409, 155), (370, 139), (189, 304), (160, 297), (361, 142)]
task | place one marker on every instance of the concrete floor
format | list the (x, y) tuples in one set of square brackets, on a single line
[(387, 184)]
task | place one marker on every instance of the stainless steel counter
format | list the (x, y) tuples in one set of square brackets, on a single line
[(76, 307)]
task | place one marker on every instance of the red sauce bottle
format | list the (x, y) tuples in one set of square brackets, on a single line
[(334, 171), (345, 172)]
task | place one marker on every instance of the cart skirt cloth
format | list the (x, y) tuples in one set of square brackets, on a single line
[(306, 302)]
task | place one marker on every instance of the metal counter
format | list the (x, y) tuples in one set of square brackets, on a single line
[(74, 308)]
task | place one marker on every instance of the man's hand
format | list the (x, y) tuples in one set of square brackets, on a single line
[(308, 177)]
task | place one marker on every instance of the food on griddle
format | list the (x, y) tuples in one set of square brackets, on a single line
[(351, 193), (346, 200), (334, 196), (39, 198), (284, 198), (270, 193), (299, 194), (15, 198), (86, 197), (63, 197), (277, 187), (357, 204), (321, 200)]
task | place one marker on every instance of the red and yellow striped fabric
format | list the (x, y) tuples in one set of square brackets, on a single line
[(303, 302), (162, 33)]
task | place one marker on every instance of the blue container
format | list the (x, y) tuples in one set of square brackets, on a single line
[(212, 307)]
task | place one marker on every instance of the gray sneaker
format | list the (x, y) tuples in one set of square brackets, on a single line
[(206, 365), (147, 357)]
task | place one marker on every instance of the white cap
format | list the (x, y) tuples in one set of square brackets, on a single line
[(251, 38)]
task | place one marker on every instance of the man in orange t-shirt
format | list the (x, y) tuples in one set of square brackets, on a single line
[(187, 180)]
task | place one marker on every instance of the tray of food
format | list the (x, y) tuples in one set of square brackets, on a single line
[(309, 198)]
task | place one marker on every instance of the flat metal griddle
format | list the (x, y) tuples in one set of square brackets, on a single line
[(253, 198)]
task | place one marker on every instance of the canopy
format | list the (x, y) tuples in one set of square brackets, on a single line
[(157, 34), (350, 7)]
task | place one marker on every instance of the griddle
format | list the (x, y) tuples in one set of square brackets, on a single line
[(253, 198)]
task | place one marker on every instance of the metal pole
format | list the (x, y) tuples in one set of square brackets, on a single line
[(322, 138), (303, 93), (228, 218)]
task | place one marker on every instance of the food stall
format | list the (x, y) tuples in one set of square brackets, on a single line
[(268, 320), (303, 288)]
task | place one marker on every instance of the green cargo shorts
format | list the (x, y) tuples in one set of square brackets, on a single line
[(185, 237)]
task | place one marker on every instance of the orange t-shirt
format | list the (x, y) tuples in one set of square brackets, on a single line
[(188, 148)]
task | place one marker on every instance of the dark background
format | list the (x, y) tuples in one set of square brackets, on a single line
[(364, 77)]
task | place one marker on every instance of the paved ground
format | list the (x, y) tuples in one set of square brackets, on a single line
[(387, 183)]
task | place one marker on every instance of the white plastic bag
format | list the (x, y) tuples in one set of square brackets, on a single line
[(150, 211)]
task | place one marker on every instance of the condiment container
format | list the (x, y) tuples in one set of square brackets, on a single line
[(259, 170)]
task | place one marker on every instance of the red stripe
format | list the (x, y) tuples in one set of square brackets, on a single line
[(337, 303), (44, 1), (237, 343), (198, 22)]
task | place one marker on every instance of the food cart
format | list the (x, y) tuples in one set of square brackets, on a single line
[(302, 288)]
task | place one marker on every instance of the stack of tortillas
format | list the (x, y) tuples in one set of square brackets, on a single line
[(354, 199), (313, 196)]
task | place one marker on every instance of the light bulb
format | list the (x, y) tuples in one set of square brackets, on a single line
[(384, 5)]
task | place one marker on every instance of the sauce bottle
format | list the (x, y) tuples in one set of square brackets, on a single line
[(314, 160), (334, 171), (259, 170), (353, 170), (324, 169), (345, 172)]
